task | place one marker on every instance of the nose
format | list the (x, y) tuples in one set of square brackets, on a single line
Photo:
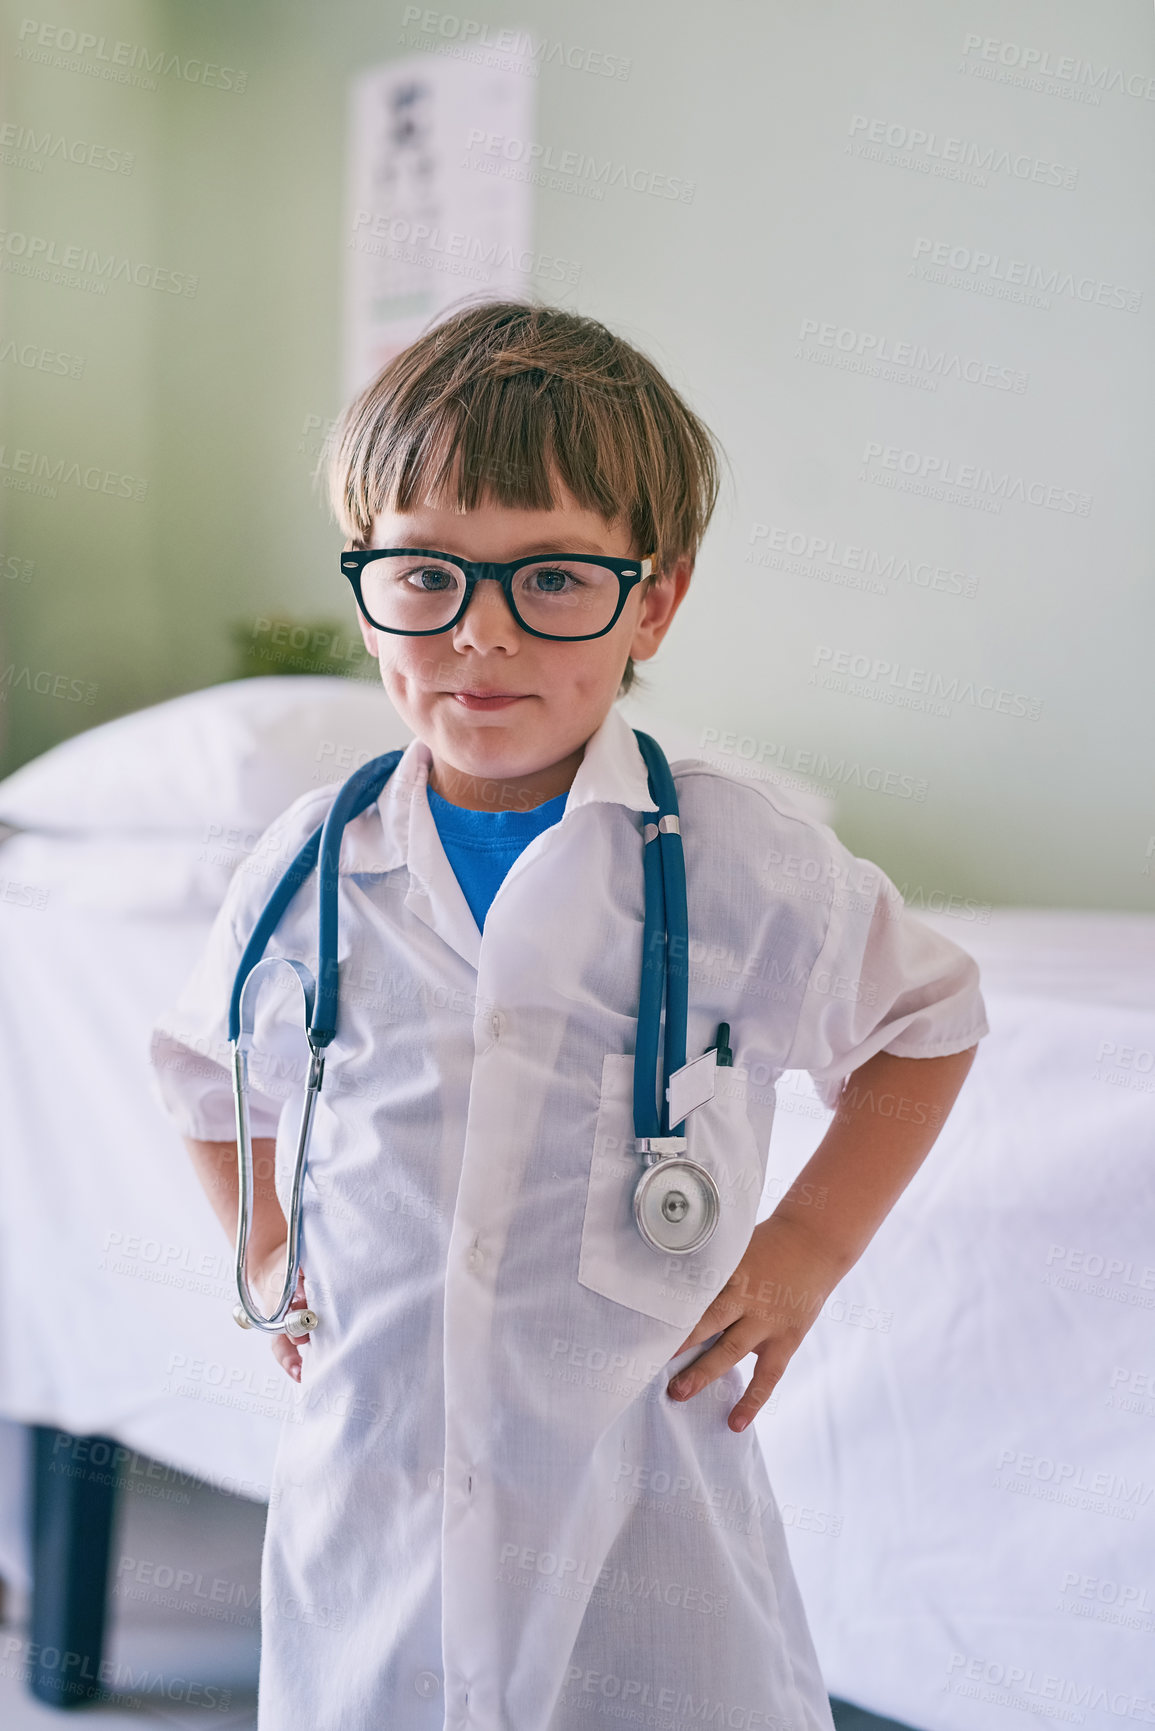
[(488, 622)]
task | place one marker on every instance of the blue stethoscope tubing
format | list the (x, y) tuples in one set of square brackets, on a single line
[(665, 946), (665, 977)]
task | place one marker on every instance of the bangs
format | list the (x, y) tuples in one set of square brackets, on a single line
[(505, 402), (504, 441)]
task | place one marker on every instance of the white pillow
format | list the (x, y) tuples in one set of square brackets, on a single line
[(218, 765), (141, 875)]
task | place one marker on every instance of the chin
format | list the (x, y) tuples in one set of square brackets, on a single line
[(491, 766), (478, 752)]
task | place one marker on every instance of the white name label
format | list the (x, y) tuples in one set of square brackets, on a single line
[(691, 1086)]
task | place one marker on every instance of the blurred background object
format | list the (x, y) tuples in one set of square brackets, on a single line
[(278, 645)]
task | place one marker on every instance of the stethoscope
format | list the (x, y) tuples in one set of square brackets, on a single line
[(676, 1200)]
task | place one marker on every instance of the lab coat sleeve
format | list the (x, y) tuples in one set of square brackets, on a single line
[(189, 1046), (884, 981)]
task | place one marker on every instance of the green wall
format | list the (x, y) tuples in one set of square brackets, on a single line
[(209, 396)]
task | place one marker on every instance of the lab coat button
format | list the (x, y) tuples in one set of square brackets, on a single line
[(427, 1683), (497, 1024), (436, 1479), (475, 1258)]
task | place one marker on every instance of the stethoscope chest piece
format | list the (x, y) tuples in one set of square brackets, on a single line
[(676, 1205)]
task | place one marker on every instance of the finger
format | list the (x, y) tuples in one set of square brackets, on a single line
[(286, 1347), (732, 1345), (723, 1310), (287, 1356), (692, 1339), (767, 1375)]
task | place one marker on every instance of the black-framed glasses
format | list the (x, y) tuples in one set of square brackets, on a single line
[(418, 592)]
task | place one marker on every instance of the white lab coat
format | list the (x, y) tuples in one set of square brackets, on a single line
[(491, 1515)]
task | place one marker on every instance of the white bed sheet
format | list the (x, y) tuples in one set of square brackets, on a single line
[(109, 1252), (963, 1447)]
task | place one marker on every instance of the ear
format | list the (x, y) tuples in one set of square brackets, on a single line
[(368, 635), (660, 601)]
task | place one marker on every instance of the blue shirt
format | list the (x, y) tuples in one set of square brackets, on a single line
[(482, 845)]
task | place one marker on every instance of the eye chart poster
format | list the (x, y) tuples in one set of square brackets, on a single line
[(439, 193)]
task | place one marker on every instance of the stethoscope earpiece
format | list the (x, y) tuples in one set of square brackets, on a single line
[(297, 1322), (300, 1322)]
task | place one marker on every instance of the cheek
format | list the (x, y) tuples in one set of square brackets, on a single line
[(573, 674), (601, 663), (418, 665)]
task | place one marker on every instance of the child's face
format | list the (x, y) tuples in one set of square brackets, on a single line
[(557, 693)]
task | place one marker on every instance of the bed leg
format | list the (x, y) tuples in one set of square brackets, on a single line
[(73, 1501)]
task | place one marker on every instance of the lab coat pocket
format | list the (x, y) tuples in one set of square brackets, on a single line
[(615, 1259)]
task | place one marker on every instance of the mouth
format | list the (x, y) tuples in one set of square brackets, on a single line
[(486, 699)]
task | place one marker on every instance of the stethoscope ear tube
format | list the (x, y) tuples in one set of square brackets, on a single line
[(361, 789), (246, 1312), (320, 1003), (287, 887)]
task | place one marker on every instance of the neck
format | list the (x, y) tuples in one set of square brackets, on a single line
[(500, 793)]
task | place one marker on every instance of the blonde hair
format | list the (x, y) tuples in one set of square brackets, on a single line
[(499, 398)]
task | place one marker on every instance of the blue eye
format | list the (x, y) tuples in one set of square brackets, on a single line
[(433, 579)]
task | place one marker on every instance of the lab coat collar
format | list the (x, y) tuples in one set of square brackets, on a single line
[(400, 829), (612, 771)]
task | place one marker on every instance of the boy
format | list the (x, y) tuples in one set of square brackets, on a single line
[(521, 1496)]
